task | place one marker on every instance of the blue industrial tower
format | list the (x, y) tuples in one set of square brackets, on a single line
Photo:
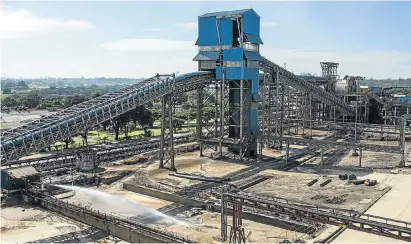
[(228, 44)]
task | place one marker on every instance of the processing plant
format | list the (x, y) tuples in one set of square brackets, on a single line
[(277, 143)]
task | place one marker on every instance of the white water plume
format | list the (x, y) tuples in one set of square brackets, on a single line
[(108, 203)]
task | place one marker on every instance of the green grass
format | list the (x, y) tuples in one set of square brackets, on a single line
[(96, 137)]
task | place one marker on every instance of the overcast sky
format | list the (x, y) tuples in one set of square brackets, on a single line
[(138, 39)]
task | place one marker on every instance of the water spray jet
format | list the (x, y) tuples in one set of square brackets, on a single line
[(106, 202)]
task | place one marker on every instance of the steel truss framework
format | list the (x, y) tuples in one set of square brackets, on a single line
[(157, 234), (167, 146), (361, 127), (395, 110), (315, 91), (229, 116), (229, 133), (272, 109), (237, 234), (105, 153), (341, 217), (44, 132), (348, 145)]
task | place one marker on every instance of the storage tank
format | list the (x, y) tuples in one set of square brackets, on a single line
[(346, 85), (341, 87)]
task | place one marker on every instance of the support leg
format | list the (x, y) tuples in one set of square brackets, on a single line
[(322, 156), (360, 158), (287, 151)]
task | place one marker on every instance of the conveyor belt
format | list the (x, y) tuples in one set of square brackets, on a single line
[(315, 91), (105, 153), (33, 136), (36, 135)]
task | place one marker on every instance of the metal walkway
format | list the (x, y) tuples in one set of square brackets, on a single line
[(327, 143), (104, 221), (104, 154), (346, 218), (315, 91), (375, 97), (36, 135)]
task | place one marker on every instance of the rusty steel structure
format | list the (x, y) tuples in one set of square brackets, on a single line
[(237, 234)]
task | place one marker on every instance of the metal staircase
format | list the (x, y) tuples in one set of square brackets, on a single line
[(315, 91), (34, 136)]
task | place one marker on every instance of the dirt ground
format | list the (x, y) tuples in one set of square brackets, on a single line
[(377, 160), (273, 152), (394, 204), (205, 228), (24, 223), (337, 193), (116, 189), (315, 133), (35, 224), (186, 163)]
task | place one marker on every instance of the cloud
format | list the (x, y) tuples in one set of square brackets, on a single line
[(159, 54), (22, 23), (152, 29), (187, 27), (376, 64), (268, 23), (143, 57), (148, 44)]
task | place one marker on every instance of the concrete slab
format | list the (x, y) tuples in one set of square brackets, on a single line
[(395, 204)]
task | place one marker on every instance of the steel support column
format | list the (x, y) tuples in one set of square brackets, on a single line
[(166, 139), (237, 234)]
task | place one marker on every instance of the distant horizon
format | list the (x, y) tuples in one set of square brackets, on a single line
[(38, 78), (138, 39), (142, 78)]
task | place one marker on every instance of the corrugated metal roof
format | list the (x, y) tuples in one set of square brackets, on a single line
[(225, 13), (207, 56), (253, 38), (252, 55), (22, 172)]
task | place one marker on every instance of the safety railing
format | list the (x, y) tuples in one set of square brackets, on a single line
[(37, 138), (154, 232)]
